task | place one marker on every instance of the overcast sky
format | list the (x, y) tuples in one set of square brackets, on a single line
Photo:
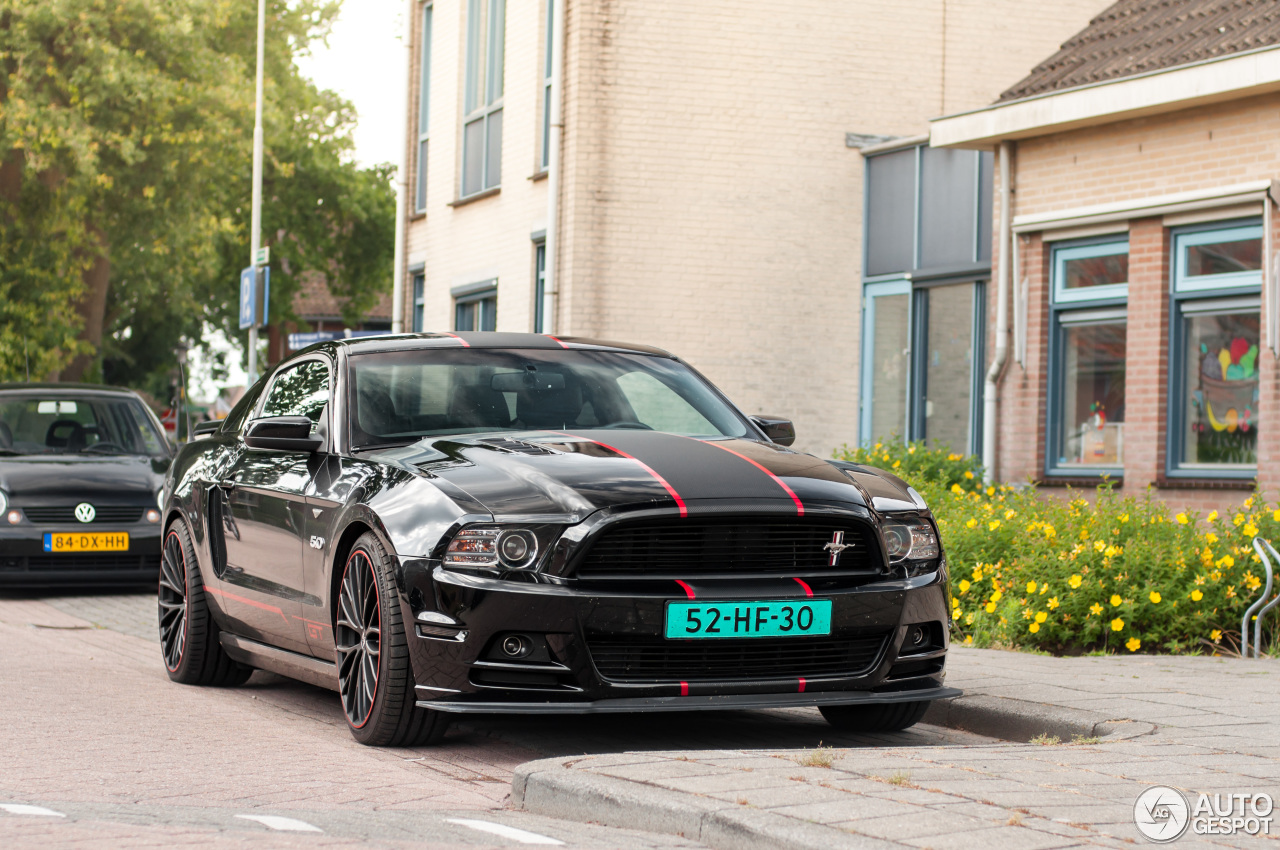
[(365, 64)]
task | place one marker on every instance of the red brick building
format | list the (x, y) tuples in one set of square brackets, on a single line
[(1138, 255)]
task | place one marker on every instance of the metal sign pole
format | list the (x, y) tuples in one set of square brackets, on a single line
[(255, 226)]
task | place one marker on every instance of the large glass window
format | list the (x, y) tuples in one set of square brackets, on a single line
[(34, 422), (482, 96), (540, 288), (1216, 340), (419, 302), (1090, 285), (546, 86), (424, 110)]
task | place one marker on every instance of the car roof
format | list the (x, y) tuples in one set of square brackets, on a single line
[(481, 339), (68, 387)]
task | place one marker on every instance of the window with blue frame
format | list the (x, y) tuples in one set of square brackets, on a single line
[(1215, 343), (1089, 318), (419, 302), (927, 256), (476, 311), (424, 110)]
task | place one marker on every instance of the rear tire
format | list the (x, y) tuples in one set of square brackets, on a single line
[(188, 635), (884, 717), (375, 676)]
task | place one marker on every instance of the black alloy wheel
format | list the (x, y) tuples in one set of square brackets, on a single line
[(173, 601), (189, 641), (371, 651), (358, 638)]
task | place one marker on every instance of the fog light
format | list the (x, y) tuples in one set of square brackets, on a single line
[(917, 636), (153, 515), (516, 646), (15, 517)]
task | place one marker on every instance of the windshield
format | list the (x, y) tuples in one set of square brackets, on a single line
[(401, 397), (33, 423)]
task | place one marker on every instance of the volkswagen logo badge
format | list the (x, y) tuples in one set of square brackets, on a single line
[(85, 512)]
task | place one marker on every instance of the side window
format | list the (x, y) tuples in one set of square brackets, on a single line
[(302, 390), (660, 407)]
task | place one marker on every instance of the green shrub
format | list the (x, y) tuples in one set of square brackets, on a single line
[(1067, 575)]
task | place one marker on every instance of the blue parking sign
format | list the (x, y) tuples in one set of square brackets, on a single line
[(248, 298)]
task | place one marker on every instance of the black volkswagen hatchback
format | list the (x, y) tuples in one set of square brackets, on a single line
[(80, 471), (450, 523)]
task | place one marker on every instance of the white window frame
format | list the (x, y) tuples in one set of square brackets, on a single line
[(483, 90), (1182, 282), (1061, 255), (424, 111)]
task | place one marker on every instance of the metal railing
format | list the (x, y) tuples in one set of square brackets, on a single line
[(1261, 606)]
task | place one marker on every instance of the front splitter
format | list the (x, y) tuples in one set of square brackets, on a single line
[(733, 702)]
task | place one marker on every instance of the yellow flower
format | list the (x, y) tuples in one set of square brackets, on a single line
[(968, 619), (877, 448), (1237, 519), (993, 525), (1112, 551), (955, 615), (1196, 596), (1095, 609), (964, 585), (972, 523), (1098, 545), (991, 491), (977, 573), (1053, 602), (1124, 517), (1182, 519), (1050, 532), (955, 603), (1253, 582), (1216, 635), (1031, 587), (1215, 576), (911, 450), (1250, 530), (1033, 628), (956, 488), (886, 457), (1226, 561), (1155, 597), (897, 463), (1115, 600), (1041, 616), (1074, 581), (1211, 538), (1212, 516), (953, 456), (1117, 625), (995, 597), (1248, 503), (1276, 516), (1132, 644), (968, 474), (990, 607)]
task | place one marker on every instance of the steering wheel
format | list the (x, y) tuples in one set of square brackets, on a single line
[(107, 444), (634, 426), (75, 435)]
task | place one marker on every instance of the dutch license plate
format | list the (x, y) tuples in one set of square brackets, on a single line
[(87, 541), (748, 619)]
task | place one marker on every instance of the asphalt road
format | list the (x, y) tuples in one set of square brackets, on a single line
[(103, 750)]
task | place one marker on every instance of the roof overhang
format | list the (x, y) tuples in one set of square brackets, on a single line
[(1212, 81), (1245, 198)]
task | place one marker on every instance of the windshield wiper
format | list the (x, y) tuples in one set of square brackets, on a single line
[(373, 446), (113, 450)]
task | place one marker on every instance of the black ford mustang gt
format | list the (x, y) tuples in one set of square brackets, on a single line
[(451, 523), (80, 471)]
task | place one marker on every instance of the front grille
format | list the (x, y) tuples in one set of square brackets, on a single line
[(101, 562), (67, 514), (658, 660), (713, 547)]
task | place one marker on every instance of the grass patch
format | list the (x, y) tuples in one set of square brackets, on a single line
[(1044, 739), (819, 756)]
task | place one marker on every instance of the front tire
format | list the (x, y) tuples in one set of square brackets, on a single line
[(188, 635), (375, 677), (885, 717)]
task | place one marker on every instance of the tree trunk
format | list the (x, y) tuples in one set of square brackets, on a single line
[(92, 308)]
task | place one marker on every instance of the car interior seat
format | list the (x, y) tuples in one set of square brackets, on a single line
[(6, 436), (478, 406), (66, 434)]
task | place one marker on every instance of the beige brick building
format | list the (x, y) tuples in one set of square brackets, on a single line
[(708, 200), (1143, 318)]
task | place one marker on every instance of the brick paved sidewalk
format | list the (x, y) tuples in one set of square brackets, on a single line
[(1199, 724)]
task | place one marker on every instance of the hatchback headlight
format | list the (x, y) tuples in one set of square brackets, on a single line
[(4, 501), (505, 548), (912, 540)]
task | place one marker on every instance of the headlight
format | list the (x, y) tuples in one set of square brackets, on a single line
[(160, 499), (4, 501), (495, 548), (910, 540)]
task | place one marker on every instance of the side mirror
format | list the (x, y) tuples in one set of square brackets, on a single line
[(283, 433), (781, 431), (204, 429)]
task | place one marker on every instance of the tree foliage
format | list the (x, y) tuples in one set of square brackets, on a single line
[(126, 132)]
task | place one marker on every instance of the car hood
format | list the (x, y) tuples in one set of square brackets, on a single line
[(56, 478), (540, 473)]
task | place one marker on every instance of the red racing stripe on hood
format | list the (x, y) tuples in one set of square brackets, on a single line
[(684, 510), (766, 471)]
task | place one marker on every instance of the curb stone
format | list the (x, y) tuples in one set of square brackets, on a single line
[(550, 787), (1021, 720)]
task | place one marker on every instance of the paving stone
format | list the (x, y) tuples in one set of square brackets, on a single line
[(995, 838), (918, 826)]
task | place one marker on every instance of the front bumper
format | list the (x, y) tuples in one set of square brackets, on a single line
[(24, 563), (458, 619)]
